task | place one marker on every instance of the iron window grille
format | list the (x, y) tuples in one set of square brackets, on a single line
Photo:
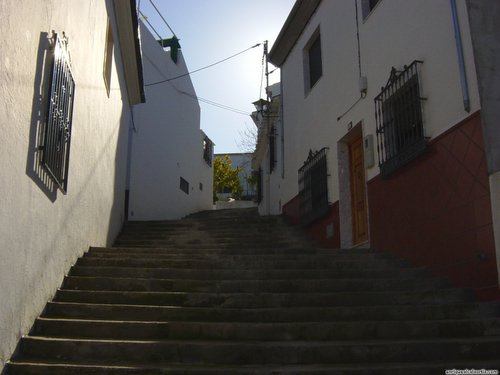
[(208, 150), (272, 149), (313, 187), (57, 135), (257, 175), (398, 115)]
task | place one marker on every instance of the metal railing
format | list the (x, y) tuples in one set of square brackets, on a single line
[(398, 115), (313, 187), (57, 137)]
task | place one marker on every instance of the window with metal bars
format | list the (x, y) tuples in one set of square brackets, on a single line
[(398, 114), (313, 187), (272, 149), (57, 135), (208, 150)]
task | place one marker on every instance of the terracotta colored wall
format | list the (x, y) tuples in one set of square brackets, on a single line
[(318, 229), (291, 211), (437, 212)]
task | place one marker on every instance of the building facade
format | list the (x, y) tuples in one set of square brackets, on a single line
[(390, 134), (69, 73), (267, 160), (171, 172), (74, 143)]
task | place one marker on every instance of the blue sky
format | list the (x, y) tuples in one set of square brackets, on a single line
[(211, 30)]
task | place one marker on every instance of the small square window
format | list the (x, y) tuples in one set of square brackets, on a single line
[(184, 186)]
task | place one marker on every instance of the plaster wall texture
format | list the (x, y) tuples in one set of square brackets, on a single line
[(167, 142), (44, 231), (271, 203), (486, 40), (394, 34)]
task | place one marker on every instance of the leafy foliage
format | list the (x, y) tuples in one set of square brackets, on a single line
[(226, 178)]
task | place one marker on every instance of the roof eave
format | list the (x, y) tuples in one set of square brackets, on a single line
[(130, 48), (294, 25)]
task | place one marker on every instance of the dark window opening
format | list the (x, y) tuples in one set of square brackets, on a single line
[(57, 136), (272, 150), (208, 150), (314, 59), (184, 186), (367, 6), (259, 179), (398, 113), (313, 187)]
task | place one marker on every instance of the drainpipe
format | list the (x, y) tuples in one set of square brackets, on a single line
[(460, 53)]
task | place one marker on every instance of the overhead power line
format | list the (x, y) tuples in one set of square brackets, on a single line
[(205, 67), (163, 18), (215, 104)]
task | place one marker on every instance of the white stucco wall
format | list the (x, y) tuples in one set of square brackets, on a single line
[(394, 34), (167, 142), (44, 231)]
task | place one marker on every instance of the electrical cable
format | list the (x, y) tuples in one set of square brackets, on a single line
[(215, 104), (194, 97), (205, 67), (149, 23), (166, 23)]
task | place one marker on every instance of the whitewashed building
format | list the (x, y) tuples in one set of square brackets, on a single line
[(80, 149), (267, 160), (63, 166), (390, 130), (171, 172)]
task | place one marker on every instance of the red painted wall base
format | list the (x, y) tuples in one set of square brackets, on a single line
[(436, 211)]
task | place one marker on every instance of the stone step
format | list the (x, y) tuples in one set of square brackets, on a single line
[(248, 264), (199, 254), (122, 352), (241, 274), (264, 300), (316, 331), (249, 251), (249, 286), (420, 311), (190, 243), (421, 368)]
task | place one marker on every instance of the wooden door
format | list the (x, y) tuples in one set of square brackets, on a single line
[(358, 192)]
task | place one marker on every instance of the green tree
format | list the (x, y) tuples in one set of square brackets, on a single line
[(226, 178)]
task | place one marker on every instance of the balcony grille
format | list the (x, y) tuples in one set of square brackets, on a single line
[(398, 114), (313, 187), (57, 137)]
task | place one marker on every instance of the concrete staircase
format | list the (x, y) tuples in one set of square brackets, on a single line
[(230, 293)]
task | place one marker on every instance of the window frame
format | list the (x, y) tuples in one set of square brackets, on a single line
[(313, 187), (313, 59), (399, 120), (208, 150), (59, 119)]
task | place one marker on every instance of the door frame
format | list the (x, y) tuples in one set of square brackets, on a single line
[(345, 189)]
